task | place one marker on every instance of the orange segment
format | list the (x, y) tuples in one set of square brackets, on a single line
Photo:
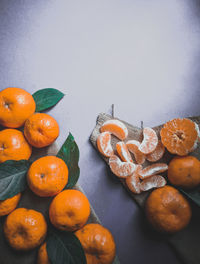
[(180, 136), (153, 169), (155, 181), (149, 142), (133, 147), (104, 144), (115, 127), (119, 168), (157, 154), (133, 181), (123, 152)]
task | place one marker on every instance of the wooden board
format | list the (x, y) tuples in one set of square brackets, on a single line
[(186, 242), (31, 201)]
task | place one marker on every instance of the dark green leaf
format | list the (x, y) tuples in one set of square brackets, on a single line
[(46, 98), (69, 152), (193, 195), (12, 177), (64, 248)]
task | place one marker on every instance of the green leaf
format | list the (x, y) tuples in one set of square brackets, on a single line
[(12, 177), (64, 248), (193, 195), (69, 152), (46, 98)]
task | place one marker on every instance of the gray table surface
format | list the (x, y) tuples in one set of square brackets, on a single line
[(143, 56)]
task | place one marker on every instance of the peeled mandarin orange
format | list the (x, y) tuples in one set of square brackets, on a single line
[(123, 152), (104, 144), (119, 168), (133, 181), (149, 142), (152, 170), (155, 181), (115, 127), (157, 154), (133, 147), (180, 136)]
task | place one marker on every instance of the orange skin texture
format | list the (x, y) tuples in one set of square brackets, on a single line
[(16, 105), (25, 229), (8, 205), (47, 176), (41, 130), (184, 172), (13, 145), (42, 255), (167, 210), (98, 244), (69, 210)]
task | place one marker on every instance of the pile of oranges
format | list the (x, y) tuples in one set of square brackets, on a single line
[(166, 208), (69, 210)]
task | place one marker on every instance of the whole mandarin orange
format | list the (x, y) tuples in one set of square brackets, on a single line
[(167, 210), (8, 205), (13, 145), (25, 229), (69, 210), (98, 244), (16, 105), (42, 255), (184, 172), (47, 176), (41, 130)]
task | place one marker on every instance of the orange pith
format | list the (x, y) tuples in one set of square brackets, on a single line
[(13, 145), (123, 152), (25, 229), (119, 168), (133, 147), (104, 144), (98, 244), (16, 105), (69, 210), (116, 128), (180, 136), (47, 176)]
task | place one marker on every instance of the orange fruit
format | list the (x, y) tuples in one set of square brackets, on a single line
[(155, 181), (152, 170), (149, 142), (8, 205), (98, 244), (184, 171), (41, 130), (25, 229), (47, 176), (133, 147), (133, 181), (104, 144), (167, 210), (16, 105), (69, 210), (42, 257), (123, 152), (157, 154), (115, 127), (13, 145), (180, 136), (119, 168)]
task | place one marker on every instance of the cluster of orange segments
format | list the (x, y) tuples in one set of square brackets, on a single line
[(69, 210), (166, 208)]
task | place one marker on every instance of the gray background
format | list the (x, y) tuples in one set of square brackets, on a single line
[(143, 56)]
